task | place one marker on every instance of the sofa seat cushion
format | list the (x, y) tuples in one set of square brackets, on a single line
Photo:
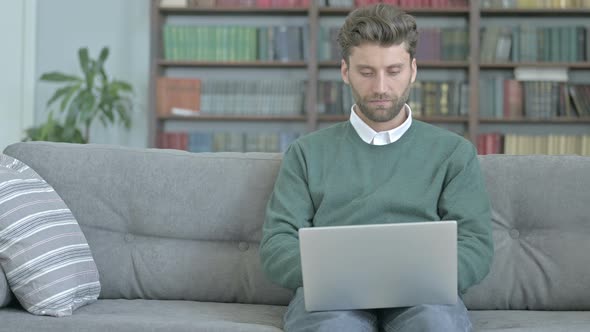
[(523, 320), (151, 315)]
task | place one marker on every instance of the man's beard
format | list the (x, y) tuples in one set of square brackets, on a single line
[(381, 113)]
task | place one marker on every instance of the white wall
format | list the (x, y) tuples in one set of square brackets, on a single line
[(63, 26), (17, 60)]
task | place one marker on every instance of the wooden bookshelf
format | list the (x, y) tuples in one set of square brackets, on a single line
[(420, 64), (539, 12), (262, 118), (227, 64), (331, 11), (512, 65), (472, 66), (249, 11), (564, 120), (430, 119)]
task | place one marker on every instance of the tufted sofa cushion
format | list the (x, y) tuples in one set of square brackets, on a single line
[(166, 224), (541, 227)]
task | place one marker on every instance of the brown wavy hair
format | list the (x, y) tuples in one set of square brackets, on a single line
[(380, 23)]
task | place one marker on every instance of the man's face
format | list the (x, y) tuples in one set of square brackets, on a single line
[(380, 79)]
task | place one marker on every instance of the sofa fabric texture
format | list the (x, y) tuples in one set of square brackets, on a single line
[(182, 227), (541, 221), (151, 315), (43, 252)]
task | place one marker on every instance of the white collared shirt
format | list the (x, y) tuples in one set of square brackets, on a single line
[(372, 137)]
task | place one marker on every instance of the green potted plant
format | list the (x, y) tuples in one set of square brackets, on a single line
[(81, 100)]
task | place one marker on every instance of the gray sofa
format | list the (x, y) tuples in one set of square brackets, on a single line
[(175, 238)]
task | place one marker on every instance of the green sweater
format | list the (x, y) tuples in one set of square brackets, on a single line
[(332, 177)]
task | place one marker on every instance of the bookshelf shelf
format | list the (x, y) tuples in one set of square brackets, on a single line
[(421, 64), (511, 65), (431, 119), (331, 11), (229, 118), (254, 64), (583, 120), (235, 11), (536, 12)]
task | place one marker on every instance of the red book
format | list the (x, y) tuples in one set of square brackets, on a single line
[(263, 3), (481, 144), (513, 105), (179, 93)]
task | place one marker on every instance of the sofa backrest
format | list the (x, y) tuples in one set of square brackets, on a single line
[(165, 224), (541, 222)]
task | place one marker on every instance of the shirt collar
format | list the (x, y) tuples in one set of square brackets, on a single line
[(368, 135)]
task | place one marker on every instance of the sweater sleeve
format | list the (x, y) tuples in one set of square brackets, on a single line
[(289, 208), (464, 198)]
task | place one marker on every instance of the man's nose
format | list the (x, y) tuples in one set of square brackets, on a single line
[(380, 84)]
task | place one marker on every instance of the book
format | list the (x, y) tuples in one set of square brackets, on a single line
[(513, 99), (201, 3), (173, 3), (555, 74), (180, 96)]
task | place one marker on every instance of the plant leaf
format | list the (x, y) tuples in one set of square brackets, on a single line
[(88, 66), (122, 111), (104, 77), (59, 77), (87, 109), (68, 132), (108, 112), (104, 54), (84, 60), (68, 97), (58, 93), (122, 85)]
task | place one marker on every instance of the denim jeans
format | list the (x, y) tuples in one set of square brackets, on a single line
[(421, 318)]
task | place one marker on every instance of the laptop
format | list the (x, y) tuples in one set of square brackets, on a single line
[(379, 266)]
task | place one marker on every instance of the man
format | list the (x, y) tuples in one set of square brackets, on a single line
[(380, 167)]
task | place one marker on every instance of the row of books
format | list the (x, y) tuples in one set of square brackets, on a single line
[(434, 44), (534, 4), (290, 43), (525, 43), (496, 4), (439, 98), (226, 141), (504, 98), (509, 99), (235, 43), (401, 3), (490, 143), (427, 98), (305, 3), (234, 3), (192, 97), (495, 143), (334, 97)]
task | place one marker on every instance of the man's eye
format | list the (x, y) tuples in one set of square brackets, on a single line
[(366, 73), (393, 72)]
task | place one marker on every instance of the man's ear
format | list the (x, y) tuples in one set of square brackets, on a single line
[(414, 70), (344, 71)]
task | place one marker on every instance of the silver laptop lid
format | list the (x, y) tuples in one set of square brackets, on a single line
[(379, 266)]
